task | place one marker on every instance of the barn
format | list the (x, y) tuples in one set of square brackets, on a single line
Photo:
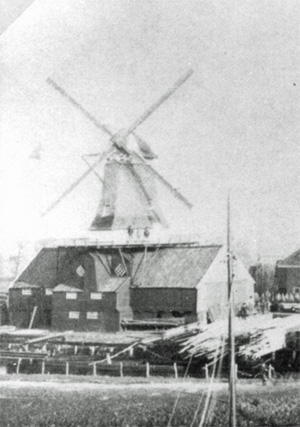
[(186, 282)]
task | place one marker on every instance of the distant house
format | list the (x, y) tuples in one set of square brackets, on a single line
[(88, 288), (287, 275)]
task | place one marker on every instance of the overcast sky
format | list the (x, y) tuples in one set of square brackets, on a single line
[(234, 124)]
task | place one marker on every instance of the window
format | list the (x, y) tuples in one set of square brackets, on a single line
[(80, 271), (71, 295), (49, 292), (93, 315), (74, 314), (96, 295), (120, 270), (26, 292)]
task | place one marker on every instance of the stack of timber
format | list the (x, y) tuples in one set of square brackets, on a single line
[(255, 336)]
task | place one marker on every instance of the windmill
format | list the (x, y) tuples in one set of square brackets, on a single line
[(128, 198)]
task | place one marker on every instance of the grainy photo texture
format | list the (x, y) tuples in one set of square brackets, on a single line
[(149, 213)]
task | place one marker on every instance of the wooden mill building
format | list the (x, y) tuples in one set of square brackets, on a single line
[(111, 288)]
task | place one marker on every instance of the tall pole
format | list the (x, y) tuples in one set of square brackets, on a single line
[(232, 377)]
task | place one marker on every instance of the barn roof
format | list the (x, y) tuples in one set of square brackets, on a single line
[(174, 267)]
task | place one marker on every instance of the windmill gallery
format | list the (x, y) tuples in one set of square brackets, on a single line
[(132, 271)]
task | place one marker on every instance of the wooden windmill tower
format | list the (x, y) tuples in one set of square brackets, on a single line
[(130, 198)]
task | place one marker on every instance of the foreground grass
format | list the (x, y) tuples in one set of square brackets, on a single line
[(149, 407)]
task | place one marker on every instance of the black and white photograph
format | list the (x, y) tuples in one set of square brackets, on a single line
[(149, 213)]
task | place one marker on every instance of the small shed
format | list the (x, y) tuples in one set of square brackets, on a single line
[(26, 305)]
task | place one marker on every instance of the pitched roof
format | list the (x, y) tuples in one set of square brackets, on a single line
[(174, 267), (293, 259)]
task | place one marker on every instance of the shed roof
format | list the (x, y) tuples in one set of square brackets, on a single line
[(174, 267), (23, 285)]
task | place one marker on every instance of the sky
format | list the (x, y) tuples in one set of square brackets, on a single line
[(233, 125)]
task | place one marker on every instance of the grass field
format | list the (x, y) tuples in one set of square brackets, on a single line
[(147, 405)]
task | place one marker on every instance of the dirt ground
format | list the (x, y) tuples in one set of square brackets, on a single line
[(72, 383)]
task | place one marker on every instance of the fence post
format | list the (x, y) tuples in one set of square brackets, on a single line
[(147, 370), (108, 359), (206, 373), (43, 367), (67, 368), (18, 365), (269, 372), (75, 349), (131, 352), (95, 369), (175, 370), (121, 369)]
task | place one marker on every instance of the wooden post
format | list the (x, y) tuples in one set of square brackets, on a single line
[(18, 366), (175, 370), (43, 367), (32, 317), (95, 369), (147, 370), (67, 368), (206, 373), (108, 359), (269, 372), (131, 352), (75, 349), (121, 369)]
